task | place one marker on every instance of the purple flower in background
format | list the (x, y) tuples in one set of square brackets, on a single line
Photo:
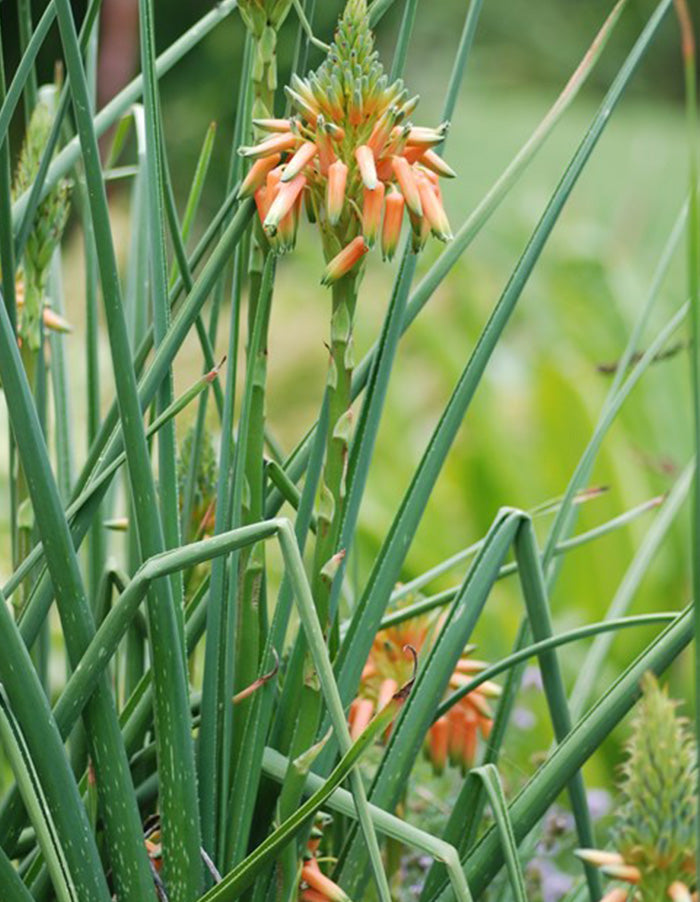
[(532, 678), (553, 883), (523, 718), (599, 803)]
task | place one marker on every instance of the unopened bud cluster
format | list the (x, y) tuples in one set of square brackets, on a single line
[(350, 155), (47, 228), (654, 834)]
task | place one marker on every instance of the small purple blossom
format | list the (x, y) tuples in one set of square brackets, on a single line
[(532, 678), (553, 883), (599, 803), (523, 718)]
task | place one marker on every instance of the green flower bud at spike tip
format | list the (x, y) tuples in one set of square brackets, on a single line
[(654, 835), (49, 221), (366, 167)]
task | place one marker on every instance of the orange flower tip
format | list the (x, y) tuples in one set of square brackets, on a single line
[(257, 175), (433, 210), (273, 125), (427, 137), (405, 176), (391, 228), (276, 144), (282, 204), (310, 895), (679, 892), (337, 180), (410, 106), (436, 164), (367, 166), (627, 872), (616, 895), (335, 131), (343, 262), (317, 880), (363, 712), (55, 322), (301, 159), (372, 212), (598, 857), (490, 689), (306, 105)]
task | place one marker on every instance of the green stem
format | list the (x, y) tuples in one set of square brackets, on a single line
[(693, 275), (332, 492)]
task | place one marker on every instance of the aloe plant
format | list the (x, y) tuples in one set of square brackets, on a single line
[(237, 668)]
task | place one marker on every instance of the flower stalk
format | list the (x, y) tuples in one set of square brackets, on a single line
[(34, 314)]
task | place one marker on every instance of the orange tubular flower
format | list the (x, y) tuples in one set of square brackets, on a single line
[(363, 161), (372, 212), (346, 260), (285, 198), (337, 180), (391, 228), (299, 161), (432, 209), (315, 886), (277, 144), (453, 737), (257, 175)]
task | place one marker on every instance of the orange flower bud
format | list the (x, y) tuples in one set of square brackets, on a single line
[(326, 154), (283, 203), (433, 210), (426, 137), (437, 744), (407, 182), (273, 125), (599, 857), (287, 229), (301, 159), (262, 203), (312, 875), (616, 895), (457, 734), (387, 691), (363, 715), (391, 229), (627, 872), (335, 200), (257, 174), (436, 164), (679, 892), (479, 704), (413, 154), (55, 322), (368, 169), (276, 144), (372, 212), (312, 895), (343, 262)]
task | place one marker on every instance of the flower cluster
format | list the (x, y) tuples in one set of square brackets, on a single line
[(655, 829), (350, 155), (454, 736)]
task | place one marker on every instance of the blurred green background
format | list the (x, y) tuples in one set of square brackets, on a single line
[(542, 392)]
